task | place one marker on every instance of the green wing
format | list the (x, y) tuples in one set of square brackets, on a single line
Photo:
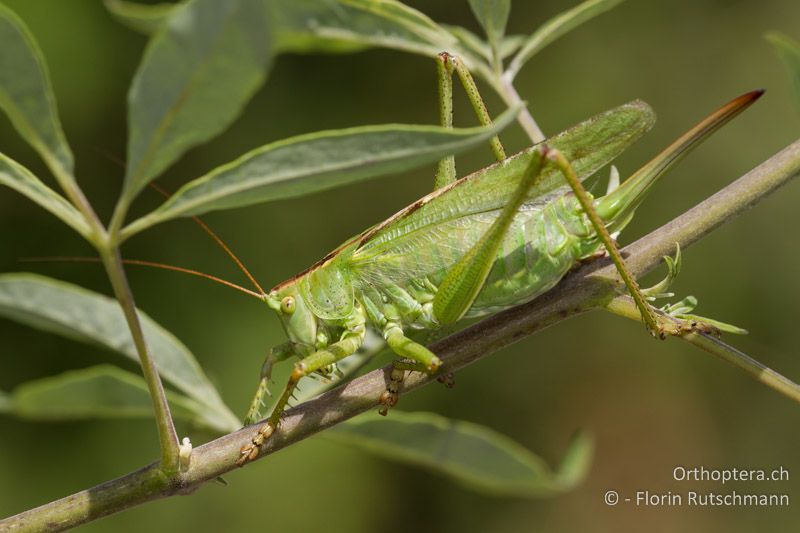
[(589, 146)]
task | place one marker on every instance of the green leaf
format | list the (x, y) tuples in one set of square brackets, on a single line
[(79, 314), (144, 18), (329, 26), (348, 25), (290, 25), (556, 27), (26, 95), (315, 162), (576, 462), (196, 76), (102, 391), (493, 16), (788, 50), (19, 178), (473, 455)]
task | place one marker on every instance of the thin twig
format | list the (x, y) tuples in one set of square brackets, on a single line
[(511, 97), (167, 437), (625, 306)]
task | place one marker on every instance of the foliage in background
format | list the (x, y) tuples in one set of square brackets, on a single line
[(788, 50)]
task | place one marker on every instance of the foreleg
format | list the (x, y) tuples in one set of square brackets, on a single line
[(275, 355), (347, 346)]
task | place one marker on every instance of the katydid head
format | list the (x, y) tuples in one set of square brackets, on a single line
[(296, 317)]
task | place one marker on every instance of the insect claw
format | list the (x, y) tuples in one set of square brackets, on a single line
[(448, 380)]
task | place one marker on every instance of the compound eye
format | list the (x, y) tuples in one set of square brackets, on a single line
[(288, 305)]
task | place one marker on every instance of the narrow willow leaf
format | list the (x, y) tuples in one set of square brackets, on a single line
[(493, 17), (195, 78), (329, 26), (346, 25), (315, 162), (576, 462), (102, 391), (289, 24), (788, 51), (19, 178), (77, 313), (556, 27), (26, 95), (144, 18), (474, 455)]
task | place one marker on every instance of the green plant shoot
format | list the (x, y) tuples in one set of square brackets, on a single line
[(475, 246)]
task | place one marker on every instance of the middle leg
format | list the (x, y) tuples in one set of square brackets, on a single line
[(418, 358)]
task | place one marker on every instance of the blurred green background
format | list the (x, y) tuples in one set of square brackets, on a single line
[(652, 405)]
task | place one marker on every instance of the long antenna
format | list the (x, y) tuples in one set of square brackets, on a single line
[(219, 241), (208, 231), (140, 262)]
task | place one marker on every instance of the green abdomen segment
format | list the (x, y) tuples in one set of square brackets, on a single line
[(544, 241), (543, 244)]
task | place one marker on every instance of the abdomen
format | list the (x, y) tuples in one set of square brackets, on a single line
[(542, 244)]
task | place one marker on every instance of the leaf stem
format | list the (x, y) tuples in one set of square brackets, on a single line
[(118, 219), (108, 247), (167, 435), (505, 87), (75, 195)]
